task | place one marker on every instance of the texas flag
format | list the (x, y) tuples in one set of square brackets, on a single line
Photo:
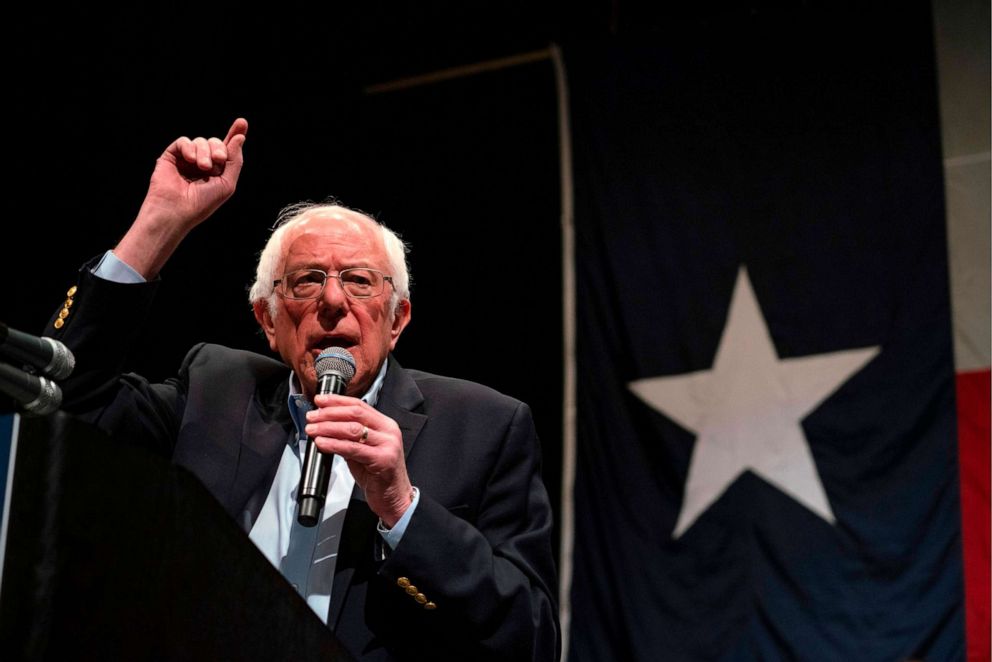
[(767, 433)]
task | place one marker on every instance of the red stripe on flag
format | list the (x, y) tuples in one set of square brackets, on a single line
[(974, 394)]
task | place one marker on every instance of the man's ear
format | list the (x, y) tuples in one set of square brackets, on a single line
[(401, 318), (264, 317)]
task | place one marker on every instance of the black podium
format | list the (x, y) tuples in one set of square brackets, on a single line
[(114, 554)]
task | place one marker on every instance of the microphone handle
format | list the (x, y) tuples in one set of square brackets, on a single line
[(317, 466)]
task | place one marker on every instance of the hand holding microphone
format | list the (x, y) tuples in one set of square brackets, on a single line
[(372, 444)]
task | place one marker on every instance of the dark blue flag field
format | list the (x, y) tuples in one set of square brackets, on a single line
[(766, 444)]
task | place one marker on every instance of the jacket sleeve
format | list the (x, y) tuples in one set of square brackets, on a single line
[(100, 322), (483, 589)]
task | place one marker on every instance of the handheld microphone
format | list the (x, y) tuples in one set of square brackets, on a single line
[(335, 367), (49, 356), (37, 395)]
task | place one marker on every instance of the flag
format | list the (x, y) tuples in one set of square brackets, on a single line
[(766, 445), (962, 41)]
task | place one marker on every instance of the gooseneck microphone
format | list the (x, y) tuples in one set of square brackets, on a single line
[(49, 356), (37, 395), (335, 367)]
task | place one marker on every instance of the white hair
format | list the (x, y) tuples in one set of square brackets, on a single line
[(271, 256)]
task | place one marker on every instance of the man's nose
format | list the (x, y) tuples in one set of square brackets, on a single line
[(333, 296)]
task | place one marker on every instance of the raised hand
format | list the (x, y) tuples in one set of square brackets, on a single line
[(191, 180), (194, 177)]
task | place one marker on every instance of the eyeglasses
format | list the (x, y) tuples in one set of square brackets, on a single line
[(357, 283)]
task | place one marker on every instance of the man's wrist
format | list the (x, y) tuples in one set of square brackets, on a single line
[(393, 535)]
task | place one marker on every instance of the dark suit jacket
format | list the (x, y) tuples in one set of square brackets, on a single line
[(478, 545)]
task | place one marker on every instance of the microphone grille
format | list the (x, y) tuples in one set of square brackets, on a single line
[(49, 398), (336, 359), (63, 361)]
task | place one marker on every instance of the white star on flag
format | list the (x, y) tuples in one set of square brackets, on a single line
[(747, 410)]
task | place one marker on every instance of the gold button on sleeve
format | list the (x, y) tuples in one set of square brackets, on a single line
[(430, 606), (71, 292), (411, 590), (63, 313), (402, 582), (59, 322), (68, 302), (420, 598)]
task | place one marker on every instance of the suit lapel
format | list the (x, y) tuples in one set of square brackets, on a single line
[(400, 399)]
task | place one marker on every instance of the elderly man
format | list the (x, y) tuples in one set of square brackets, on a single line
[(435, 536)]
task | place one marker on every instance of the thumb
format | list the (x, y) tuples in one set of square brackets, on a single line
[(235, 156), (235, 141)]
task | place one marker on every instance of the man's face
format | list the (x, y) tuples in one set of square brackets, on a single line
[(300, 330)]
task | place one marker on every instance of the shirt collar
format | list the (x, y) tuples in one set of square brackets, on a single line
[(299, 405)]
